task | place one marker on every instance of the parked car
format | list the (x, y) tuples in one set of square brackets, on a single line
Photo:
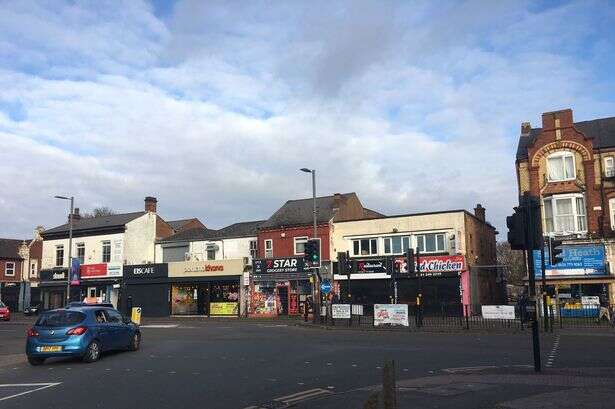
[(5, 313), (80, 330), (32, 310)]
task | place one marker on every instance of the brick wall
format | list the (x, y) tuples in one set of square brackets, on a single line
[(284, 246), (17, 276)]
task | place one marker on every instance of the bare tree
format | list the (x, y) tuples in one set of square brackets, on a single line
[(98, 212), (513, 260)]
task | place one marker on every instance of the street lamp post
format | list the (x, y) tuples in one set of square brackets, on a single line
[(315, 235), (70, 243)]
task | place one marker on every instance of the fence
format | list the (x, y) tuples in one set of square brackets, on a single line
[(462, 317)]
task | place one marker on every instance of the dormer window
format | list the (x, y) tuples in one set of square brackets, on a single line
[(560, 166)]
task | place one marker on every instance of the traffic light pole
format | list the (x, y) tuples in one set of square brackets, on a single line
[(529, 228), (545, 308), (419, 296)]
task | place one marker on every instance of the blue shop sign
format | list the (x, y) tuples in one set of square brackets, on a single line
[(578, 260)]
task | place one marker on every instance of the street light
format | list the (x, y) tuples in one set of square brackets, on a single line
[(314, 288), (70, 243)]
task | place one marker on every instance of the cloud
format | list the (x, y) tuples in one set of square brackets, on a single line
[(213, 106)]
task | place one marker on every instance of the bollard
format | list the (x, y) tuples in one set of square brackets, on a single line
[(389, 387)]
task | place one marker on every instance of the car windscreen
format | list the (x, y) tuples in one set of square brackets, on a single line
[(60, 319), (2, 304)]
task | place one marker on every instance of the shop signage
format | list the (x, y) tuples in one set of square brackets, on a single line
[(498, 312), (114, 269), (391, 314), (146, 271), (205, 268), (93, 270), (54, 275), (279, 265), (372, 266), (578, 260), (340, 311), (442, 264), (223, 308), (590, 300)]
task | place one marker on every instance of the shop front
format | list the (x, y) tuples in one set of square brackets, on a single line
[(53, 287), (9, 294), (444, 283), (279, 286), (100, 283), (146, 286), (207, 288)]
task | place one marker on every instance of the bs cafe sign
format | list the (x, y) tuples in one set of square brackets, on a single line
[(146, 271)]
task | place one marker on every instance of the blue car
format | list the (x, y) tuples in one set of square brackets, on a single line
[(80, 330)]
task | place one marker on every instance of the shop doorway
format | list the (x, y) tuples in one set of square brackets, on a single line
[(283, 296), (203, 299)]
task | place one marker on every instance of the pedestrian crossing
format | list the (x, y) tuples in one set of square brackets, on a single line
[(295, 398)]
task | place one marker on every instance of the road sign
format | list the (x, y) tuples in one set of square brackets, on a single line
[(325, 286)]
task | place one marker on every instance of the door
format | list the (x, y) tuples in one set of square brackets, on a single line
[(56, 299), (103, 330), (283, 296)]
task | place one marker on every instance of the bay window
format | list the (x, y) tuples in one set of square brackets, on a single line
[(560, 166), (565, 214)]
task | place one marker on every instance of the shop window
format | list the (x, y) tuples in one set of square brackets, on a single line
[(268, 248), (81, 252), (184, 300), (106, 251), (365, 247), (560, 166), (609, 166), (564, 214), (253, 249), (431, 243), (59, 256), (300, 245), (9, 269), (396, 244)]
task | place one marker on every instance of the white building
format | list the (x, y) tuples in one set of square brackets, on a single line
[(102, 245)]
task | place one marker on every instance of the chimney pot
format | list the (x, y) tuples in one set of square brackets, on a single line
[(526, 127), (76, 215), (150, 204), (479, 212)]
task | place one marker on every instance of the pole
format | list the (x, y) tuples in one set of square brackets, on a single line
[(528, 211), (349, 293), (315, 235), (419, 297), (70, 248), (544, 283)]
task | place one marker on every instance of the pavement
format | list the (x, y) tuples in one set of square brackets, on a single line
[(275, 364)]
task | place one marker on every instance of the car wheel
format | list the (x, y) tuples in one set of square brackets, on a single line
[(92, 354), (135, 343), (35, 361)]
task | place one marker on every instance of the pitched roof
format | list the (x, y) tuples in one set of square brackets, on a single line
[(300, 212), (371, 214), (177, 224), (601, 130), (196, 234), (96, 223), (9, 248), (241, 229)]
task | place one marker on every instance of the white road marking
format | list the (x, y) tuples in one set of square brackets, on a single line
[(553, 353), (160, 326), (299, 396), (40, 387)]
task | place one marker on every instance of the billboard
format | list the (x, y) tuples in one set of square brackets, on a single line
[(391, 314), (578, 260)]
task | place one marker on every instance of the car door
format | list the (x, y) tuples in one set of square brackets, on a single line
[(118, 331), (103, 329)]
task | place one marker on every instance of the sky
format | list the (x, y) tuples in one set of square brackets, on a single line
[(212, 107)]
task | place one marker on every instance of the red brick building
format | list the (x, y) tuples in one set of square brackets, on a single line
[(11, 266), (570, 166)]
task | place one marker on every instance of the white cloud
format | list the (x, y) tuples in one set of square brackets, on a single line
[(214, 108)]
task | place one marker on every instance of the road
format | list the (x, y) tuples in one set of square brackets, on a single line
[(212, 364)]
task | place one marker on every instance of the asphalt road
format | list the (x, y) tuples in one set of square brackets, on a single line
[(243, 364)]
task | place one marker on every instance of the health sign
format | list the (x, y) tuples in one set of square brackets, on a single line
[(578, 260)]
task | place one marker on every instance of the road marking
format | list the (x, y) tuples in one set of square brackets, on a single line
[(299, 396), (40, 387), (553, 353), (160, 326)]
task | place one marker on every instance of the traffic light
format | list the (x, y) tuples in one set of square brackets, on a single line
[(555, 251), (311, 254), (344, 265), (410, 261), (516, 231)]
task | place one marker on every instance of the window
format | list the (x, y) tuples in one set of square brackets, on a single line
[(174, 253), (33, 268), (106, 251), (365, 247), (609, 166), (268, 248), (560, 166), (81, 252), (612, 212), (300, 245), (253, 249), (211, 254), (431, 243), (9, 268), (565, 214), (396, 244), (59, 256), (113, 317)]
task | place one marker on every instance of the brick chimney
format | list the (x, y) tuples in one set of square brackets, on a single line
[(526, 127), (557, 119), (150, 204), (76, 215), (479, 212)]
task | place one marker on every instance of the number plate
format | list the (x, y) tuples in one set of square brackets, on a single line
[(51, 348)]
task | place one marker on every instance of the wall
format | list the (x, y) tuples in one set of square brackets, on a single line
[(93, 249), (139, 240), (452, 223), (284, 246)]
